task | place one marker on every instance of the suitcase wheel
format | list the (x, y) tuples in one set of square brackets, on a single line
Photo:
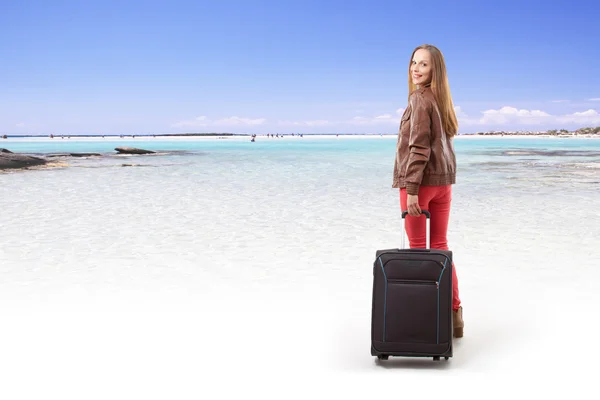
[(383, 356), (436, 358)]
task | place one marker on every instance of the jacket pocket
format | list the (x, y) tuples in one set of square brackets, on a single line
[(403, 120), (406, 115)]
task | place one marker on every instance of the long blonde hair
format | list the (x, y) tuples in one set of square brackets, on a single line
[(439, 87)]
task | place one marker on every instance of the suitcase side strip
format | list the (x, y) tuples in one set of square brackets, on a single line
[(438, 301), (384, 296)]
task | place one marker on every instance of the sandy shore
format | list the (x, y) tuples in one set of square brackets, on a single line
[(528, 136), (244, 138), (190, 138)]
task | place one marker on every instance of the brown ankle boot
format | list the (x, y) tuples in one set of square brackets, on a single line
[(458, 323)]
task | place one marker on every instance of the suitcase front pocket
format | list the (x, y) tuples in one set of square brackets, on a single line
[(411, 311)]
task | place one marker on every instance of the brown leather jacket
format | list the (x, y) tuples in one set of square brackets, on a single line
[(424, 153)]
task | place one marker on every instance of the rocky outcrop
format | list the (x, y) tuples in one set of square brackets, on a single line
[(74, 155), (12, 160), (133, 150)]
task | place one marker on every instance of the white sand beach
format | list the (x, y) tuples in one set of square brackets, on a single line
[(261, 137)]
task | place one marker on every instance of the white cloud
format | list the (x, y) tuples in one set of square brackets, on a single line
[(459, 112), (560, 101), (506, 117), (240, 121), (290, 123), (586, 117), (194, 123), (519, 117), (204, 121), (361, 121), (316, 122), (355, 121), (20, 124), (511, 114), (378, 119), (594, 99)]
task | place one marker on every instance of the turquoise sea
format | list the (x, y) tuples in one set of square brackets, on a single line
[(208, 198), (220, 258)]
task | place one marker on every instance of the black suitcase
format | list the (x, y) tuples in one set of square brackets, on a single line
[(411, 314)]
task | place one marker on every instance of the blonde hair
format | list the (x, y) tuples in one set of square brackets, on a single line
[(439, 87)]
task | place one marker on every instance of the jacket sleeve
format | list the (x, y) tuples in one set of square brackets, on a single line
[(419, 142)]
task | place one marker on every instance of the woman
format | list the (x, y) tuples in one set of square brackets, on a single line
[(425, 166)]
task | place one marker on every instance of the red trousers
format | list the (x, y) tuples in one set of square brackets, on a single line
[(436, 200)]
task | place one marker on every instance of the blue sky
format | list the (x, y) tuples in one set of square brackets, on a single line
[(111, 67)]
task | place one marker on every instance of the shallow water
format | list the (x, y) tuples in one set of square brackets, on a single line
[(228, 244), (302, 203)]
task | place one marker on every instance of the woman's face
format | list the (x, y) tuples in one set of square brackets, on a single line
[(420, 68)]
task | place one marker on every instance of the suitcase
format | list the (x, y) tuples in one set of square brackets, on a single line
[(411, 313)]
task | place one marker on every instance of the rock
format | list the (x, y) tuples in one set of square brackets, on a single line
[(12, 160), (133, 150), (74, 155), (5, 151)]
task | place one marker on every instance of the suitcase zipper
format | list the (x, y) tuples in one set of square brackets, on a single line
[(414, 282), (436, 283)]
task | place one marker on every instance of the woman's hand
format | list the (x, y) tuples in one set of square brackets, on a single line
[(412, 202)]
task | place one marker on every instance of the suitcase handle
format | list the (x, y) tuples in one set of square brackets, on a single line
[(427, 214), (427, 232)]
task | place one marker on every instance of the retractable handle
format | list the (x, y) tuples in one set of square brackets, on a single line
[(428, 229)]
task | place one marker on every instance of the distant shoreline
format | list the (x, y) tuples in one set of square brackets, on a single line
[(580, 133)]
